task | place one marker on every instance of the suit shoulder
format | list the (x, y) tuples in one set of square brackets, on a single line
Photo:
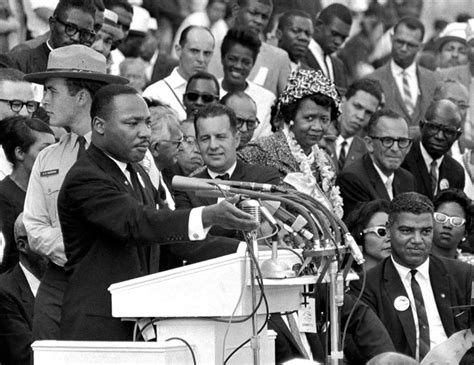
[(262, 173), (275, 51)]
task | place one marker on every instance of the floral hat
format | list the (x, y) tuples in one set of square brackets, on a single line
[(302, 83)]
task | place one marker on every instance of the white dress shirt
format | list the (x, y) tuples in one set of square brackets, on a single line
[(40, 210), (437, 333), (387, 180), (32, 280), (324, 61), (410, 71), (339, 141), (169, 91)]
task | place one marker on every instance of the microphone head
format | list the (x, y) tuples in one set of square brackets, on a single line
[(251, 207)]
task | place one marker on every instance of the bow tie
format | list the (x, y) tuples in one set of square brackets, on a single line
[(223, 177)]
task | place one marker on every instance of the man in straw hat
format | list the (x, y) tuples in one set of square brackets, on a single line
[(74, 74), (108, 34)]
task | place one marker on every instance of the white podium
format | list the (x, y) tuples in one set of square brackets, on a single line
[(186, 301)]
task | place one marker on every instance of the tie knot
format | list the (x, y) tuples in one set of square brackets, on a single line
[(223, 177), (130, 168), (434, 164), (413, 272)]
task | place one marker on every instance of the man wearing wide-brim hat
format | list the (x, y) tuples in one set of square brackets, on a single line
[(451, 45), (108, 34), (73, 76)]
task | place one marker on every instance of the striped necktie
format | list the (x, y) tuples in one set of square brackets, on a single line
[(423, 325), (407, 96)]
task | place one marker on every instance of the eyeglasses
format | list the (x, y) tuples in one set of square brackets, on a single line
[(177, 143), (190, 140), (17, 105), (433, 129), (388, 142), (380, 231), (251, 123), (85, 35), (206, 98), (454, 221)]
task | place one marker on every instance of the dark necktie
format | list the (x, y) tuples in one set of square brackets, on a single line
[(342, 156), (223, 177), (423, 326), (82, 146), (434, 176), (135, 183)]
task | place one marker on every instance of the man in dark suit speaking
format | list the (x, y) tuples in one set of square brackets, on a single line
[(419, 297), (111, 220)]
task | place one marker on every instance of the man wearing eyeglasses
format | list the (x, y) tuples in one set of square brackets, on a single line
[(246, 110), (429, 160), (408, 88), (202, 89), (16, 97), (72, 23), (377, 174)]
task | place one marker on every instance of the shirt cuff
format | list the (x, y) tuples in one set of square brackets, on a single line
[(196, 231)]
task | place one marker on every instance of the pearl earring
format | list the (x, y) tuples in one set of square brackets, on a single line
[(291, 123)]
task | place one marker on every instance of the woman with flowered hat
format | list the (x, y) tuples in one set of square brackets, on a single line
[(308, 104)]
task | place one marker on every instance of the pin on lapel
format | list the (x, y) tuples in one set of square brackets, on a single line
[(443, 295)]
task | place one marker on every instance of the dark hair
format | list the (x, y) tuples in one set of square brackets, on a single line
[(286, 17), (109, 4), (374, 119), (63, 6), (243, 3), (245, 37), (183, 38), (11, 74), (202, 75), (371, 87), (216, 110), (411, 23), (17, 131), (359, 218), (288, 112), (336, 10), (412, 202), (75, 85), (455, 196), (105, 96)]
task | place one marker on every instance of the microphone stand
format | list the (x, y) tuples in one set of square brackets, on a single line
[(252, 248)]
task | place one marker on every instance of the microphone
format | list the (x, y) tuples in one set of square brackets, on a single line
[(354, 248), (183, 183), (296, 223), (251, 207), (269, 188)]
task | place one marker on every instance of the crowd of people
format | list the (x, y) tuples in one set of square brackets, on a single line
[(103, 102)]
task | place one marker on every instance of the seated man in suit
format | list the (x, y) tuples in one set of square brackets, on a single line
[(377, 174), (428, 160), (218, 139), (18, 288), (416, 295), (362, 99), (109, 219)]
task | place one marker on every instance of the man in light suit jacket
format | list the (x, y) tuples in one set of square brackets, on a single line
[(331, 29), (408, 88), (394, 285), (110, 220), (428, 160), (377, 174)]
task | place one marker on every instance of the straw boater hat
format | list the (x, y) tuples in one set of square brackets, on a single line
[(470, 30), (110, 25), (76, 62), (452, 32)]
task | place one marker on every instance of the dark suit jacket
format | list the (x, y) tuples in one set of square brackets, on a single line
[(450, 170), (162, 68), (357, 149), (16, 318), (109, 236), (451, 281), (27, 60), (340, 73), (427, 82), (360, 182), (242, 172)]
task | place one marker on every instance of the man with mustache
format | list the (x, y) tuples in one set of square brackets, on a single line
[(377, 174), (73, 75), (418, 297)]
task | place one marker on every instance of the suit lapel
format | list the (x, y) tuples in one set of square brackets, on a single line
[(375, 178), (394, 289), (441, 292), (27, 297), (421, 168), (398, 96)]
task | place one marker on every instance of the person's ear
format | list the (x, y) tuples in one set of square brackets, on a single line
[(83, 97), (98, 125), (369, 143), (278, 34), (19, 154), (155, 149), (22, 245), (178, 50)]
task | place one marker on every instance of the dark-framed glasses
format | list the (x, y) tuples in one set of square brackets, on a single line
[(85, 35), (251, 123), (454, 221), (17, 105), (433, 129), (206, 98), (388, 142), (174, 142), (380, 231)]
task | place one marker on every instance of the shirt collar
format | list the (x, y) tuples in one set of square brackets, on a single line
[(428, 159), (404, 271), (48, 44), (229, 171), (122, 165), (175, 80), (410, 70), (32, 280), (341, 139), (316, 48), (384, 177)]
